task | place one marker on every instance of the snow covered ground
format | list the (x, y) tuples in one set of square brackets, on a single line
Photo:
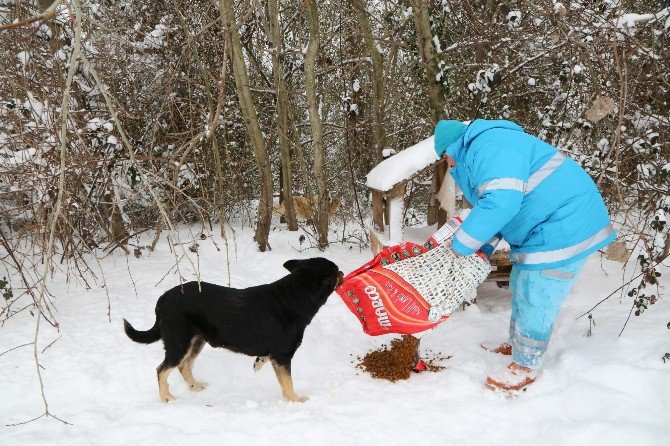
[(598, 390)]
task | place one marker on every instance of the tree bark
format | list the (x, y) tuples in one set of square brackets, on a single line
[(315, 124), (424, 40), (283, 104), (360, 6), (248, 110)]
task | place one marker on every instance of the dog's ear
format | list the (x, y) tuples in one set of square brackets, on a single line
[(292, 264)]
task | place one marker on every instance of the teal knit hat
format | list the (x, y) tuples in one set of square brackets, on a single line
[(446, 132)]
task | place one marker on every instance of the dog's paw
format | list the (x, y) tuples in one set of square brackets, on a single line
[(198, 386), (298, 399), (166, 398)]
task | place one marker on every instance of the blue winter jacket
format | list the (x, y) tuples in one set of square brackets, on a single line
[(543, 203)]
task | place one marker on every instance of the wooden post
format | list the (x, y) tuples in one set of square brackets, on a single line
[(441, 173), (376, 245), (396, 212), (431, 215), (378, 210)]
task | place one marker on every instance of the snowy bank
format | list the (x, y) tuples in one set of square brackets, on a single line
[(597, 390)]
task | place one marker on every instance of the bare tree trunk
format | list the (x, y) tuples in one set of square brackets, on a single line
[(315, 122), (424, 40), (273, 33), (119, 230), (360, 6), (253, 126)]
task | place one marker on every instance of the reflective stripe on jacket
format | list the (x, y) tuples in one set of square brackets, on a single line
[(543, 203)]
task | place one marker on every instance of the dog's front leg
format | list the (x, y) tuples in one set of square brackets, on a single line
[(260, 362), (283, 370)]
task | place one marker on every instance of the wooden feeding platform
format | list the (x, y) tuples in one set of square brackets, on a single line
[(388, 183)]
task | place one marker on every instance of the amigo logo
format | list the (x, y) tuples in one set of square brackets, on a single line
[(378, 305)]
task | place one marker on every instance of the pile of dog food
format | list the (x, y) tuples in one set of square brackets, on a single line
[(396, 362)]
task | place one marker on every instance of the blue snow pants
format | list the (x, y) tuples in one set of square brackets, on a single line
[(537, 297)]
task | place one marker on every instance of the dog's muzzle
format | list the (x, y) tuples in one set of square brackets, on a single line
[(340, 279)]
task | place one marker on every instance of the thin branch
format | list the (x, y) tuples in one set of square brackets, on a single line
[(48, 14), (658, 262), (16, 348), (74, 63), (131, 152)]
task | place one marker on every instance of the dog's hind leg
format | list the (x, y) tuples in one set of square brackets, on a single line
[(260, 362), (283, 371), (186, 366), (177, 342), (163, 371)]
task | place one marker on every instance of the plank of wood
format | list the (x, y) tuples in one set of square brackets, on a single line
[(376, 243), (396, 205), (378, 210)]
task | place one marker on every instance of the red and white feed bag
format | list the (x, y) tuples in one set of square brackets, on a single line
[(410, 288)]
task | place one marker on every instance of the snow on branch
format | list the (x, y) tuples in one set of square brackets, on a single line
[(631, 20)]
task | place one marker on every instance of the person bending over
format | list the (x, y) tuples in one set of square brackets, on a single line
[(547, 208)]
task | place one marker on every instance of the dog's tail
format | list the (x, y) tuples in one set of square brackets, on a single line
[(143, 337)]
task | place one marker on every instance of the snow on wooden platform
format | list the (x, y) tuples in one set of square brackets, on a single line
[(402, 166)]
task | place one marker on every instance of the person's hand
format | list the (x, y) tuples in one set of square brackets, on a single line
[(450, 160)]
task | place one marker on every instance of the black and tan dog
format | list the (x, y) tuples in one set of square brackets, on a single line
[(267, 321)]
